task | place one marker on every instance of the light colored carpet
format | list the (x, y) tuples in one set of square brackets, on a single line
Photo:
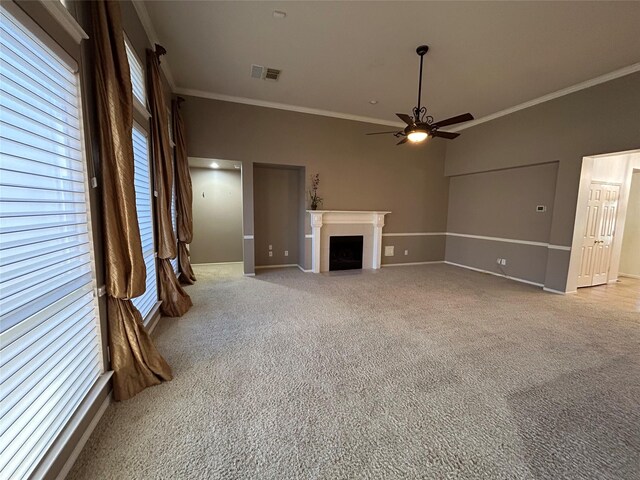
[(411, 372)]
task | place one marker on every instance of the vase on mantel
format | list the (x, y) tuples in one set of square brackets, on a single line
[(313, 193)]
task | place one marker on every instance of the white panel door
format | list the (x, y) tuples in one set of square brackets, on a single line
[(598, 234)]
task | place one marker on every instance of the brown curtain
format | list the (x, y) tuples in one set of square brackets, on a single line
[(175, 301), (134, 359), (184, 196)]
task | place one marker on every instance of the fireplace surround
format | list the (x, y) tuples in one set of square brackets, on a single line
[(328, 223)]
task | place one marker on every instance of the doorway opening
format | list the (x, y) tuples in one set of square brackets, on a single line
[(217, 211), (606, 201)]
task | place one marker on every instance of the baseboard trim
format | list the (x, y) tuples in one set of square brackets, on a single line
[(408, 264), (303, 270), (629, 275), (85, 437), (218, 263), (551, 290), (249, 274), (521, 280), (264, 267)]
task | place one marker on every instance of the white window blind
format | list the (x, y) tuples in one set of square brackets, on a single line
[(174, 210), (142, 183), (50, 344), (174, 222), (137, 75)]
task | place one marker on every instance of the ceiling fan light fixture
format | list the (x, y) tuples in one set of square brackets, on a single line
[(420, 125), (417, 136)]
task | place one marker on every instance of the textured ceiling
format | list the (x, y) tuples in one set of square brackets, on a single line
[(336, 56)]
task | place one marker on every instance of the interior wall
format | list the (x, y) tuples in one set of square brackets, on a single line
[(277, 207), (217, 216), (600, 119), (630, 255), (502, 204), (357, 172)]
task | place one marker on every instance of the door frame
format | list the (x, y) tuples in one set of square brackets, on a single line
[(617, 168)]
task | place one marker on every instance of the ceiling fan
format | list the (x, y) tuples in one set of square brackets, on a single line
[(421, 126)]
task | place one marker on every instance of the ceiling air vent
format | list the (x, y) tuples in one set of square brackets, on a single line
[(272, 74), (257, 71)]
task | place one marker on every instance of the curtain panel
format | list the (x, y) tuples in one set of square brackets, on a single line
[(184, 195), (134, 359), (175, 301)]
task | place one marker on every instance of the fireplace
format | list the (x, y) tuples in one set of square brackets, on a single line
[(326, 224), (345, 252)]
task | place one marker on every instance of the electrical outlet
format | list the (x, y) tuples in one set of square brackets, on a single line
[(286, 253), (271, 254), (504, 261), (388, 251), (406, 252), (270, 247)]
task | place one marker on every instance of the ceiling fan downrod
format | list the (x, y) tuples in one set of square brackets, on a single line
[(421, 50)]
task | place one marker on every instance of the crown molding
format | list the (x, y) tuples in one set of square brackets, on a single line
[(143, 15), (551, 96), (283, 106), (346, 116)]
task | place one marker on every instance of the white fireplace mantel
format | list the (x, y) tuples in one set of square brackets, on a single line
[(346, 222)]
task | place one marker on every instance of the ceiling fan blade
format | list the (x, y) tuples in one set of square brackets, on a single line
[(404, 140), (465, 117), (405, 118), (378, 133), (448, 135)]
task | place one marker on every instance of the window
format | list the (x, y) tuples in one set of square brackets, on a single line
[(144, 207), (50, 342), (142, 183), (174, 210), (137, 77), (174, 222)]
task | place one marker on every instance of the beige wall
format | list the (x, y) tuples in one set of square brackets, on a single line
[(502, 204), (217, 216), (600, 119), (630, 256), (277, 206), (357, 172)]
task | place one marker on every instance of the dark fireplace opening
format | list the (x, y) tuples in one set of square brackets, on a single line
[(345, 253)]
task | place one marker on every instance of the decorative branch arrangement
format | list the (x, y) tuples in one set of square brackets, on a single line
[(313, 193)]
